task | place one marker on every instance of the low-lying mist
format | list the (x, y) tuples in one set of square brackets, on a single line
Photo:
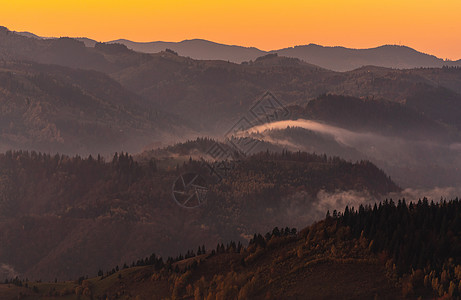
[(301, 209), (411, 163)]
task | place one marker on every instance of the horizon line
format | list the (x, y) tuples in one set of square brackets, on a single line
[(235, 45)]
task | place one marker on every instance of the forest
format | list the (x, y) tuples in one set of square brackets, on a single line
[(419, 244), (421, 239), (395, 248), (75, 208)]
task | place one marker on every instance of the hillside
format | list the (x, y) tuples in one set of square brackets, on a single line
[(388, 251), (369, 129), (379, 116), (57, 109), (415, 111), (409, 169), (81, 213), (159, 170), (213, 94), (216, 94)]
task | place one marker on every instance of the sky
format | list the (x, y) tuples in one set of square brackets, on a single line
[(429, 26)]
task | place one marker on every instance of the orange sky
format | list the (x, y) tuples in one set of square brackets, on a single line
[(427, 25)]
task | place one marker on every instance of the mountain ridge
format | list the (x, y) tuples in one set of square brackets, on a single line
[(187, 48), (337, 58), (212, 95)]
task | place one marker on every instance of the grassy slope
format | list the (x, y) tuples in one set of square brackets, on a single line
[(322, 262)]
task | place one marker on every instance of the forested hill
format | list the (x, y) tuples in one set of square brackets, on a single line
[(422, 240), (391, 250), (51, 108), (378, 116), (74, 209), (212, 94)]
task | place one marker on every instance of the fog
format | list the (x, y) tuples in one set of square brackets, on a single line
[(301, 209), (411, 163), (7, 271), (344, 136), (435, 194)]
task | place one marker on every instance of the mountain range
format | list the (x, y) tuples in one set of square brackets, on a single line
[(53, 108), (333, 58), (278, 138), (168, 98)]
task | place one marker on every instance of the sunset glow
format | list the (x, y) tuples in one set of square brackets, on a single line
[(427, 25)]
